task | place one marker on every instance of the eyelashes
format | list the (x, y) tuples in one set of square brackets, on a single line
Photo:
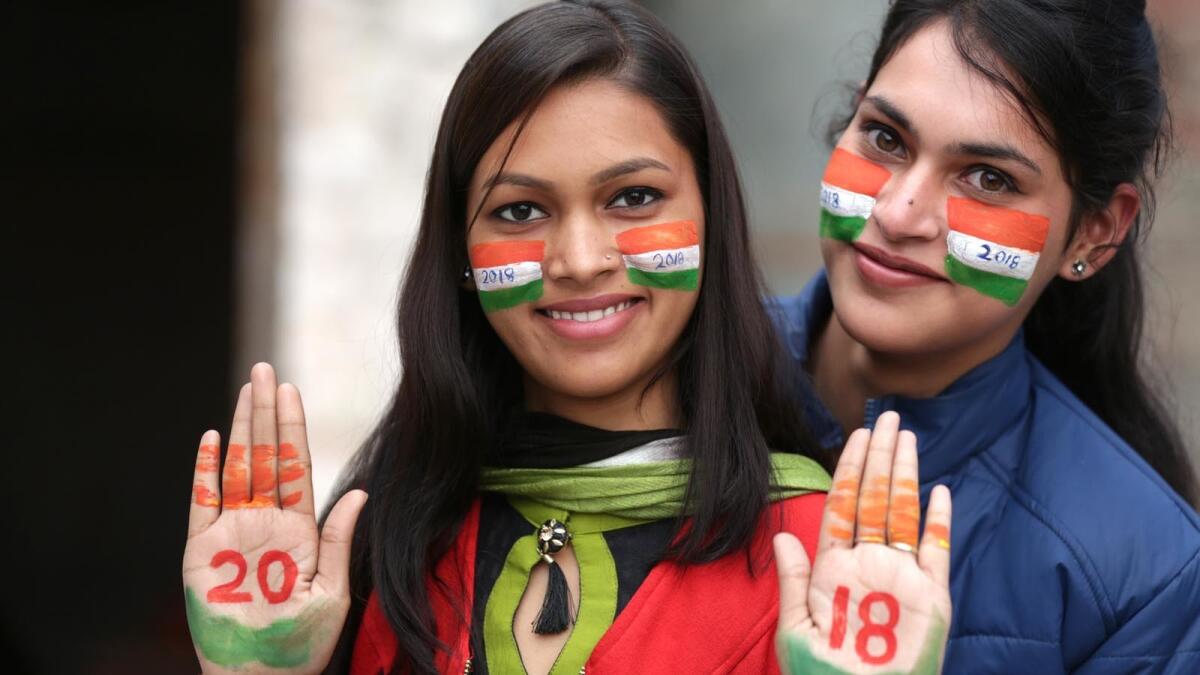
[(631, 198)]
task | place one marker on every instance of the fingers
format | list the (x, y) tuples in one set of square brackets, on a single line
[(263, 433), (904, 511), (792, 564), (876, 481), (333, 561), (934, 555), (206, 488), (235, 481), (295, 465), (837, 525)]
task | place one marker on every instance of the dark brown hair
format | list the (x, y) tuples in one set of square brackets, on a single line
[(1087, 76), (422, 462)]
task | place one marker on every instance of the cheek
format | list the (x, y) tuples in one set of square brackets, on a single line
[(994, 250)]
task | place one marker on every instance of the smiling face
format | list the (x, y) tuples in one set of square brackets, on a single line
[(594, 165), (971, 212)]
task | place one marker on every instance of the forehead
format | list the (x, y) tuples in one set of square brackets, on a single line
[(580, 127), (948, 100)]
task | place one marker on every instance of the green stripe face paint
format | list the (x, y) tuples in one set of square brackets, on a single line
[(848, 191), (991, 249), (507, 273), (662, 256)]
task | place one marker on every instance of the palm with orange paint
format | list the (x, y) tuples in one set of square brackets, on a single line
[(875, 600), (265, 591)]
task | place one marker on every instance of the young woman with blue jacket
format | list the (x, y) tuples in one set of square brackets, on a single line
[(981, 219)]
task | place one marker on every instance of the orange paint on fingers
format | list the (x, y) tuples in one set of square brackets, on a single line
[(291, 472), (293, 498), (843, 500), (236, 481), (262, 467), (204, 496), (940, 533), (208, 460), (904, 519), (288, 451), (872, 513), (841, 533)]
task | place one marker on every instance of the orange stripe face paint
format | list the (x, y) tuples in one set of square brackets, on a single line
[(236, 481), (993, 249), (848, 191)]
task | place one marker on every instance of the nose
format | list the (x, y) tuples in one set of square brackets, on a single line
[(581, 250), (910, 207)]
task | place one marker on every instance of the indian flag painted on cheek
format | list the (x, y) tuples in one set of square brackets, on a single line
[(993, 249), (848, 192), (662, 256), (508, 273)]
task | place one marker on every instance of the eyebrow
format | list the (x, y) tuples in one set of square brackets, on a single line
[(888, 108), (627, 167), (517, 179), (994, 152)]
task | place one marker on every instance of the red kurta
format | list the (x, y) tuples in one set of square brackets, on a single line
[(711, 618)]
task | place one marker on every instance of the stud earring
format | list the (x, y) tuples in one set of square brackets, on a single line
[(1078, 268), (466, 275)]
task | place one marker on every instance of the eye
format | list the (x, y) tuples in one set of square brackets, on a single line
[(990, 180), (521, 212), (885, 140), (635, 197)]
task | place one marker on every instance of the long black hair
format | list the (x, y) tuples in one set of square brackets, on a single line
[(1087, 76), (421, 464)]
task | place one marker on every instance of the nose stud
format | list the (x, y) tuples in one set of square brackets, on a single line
[(608, 256)]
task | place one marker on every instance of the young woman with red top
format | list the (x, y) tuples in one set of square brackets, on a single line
[(594, 440)]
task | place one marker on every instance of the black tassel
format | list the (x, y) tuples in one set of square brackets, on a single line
[(555, 616)]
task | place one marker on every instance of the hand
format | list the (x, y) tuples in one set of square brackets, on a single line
[(263, 591), (874, 602)]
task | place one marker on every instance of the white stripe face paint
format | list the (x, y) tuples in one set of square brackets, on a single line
[(988, 256), (507, 276), (844, 203), (666, 260)]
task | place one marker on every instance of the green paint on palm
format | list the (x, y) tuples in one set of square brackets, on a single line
[(282, 644), (801, 660)]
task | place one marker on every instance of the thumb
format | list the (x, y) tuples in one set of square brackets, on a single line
[(333, 557), (792, 564)]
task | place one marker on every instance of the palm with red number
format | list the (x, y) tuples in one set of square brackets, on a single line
[(874, 600), (264, 590)]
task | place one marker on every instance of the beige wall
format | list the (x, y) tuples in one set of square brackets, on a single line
[(342, 101)]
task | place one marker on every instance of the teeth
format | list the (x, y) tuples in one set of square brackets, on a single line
[(588, 317)]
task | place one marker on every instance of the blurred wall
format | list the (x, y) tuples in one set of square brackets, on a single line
[(360, 86)]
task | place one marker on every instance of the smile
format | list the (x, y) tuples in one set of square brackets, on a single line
[(590, 315)]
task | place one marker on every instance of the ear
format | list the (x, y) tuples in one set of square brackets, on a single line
[(1101, 233)]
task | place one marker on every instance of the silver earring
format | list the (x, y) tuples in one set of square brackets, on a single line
[(1078, 268), (466, 276)]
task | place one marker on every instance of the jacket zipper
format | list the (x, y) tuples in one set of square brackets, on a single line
[(467, 668)]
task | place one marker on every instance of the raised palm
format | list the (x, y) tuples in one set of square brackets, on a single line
[(264, 590), (874, 601)]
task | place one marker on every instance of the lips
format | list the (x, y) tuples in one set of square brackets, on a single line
[(895, 262), (591, 318)]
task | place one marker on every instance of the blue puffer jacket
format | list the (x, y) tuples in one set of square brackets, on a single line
[(1070, 554)]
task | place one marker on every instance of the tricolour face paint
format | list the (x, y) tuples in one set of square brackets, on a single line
[(508, 273), (848, 192), (993, 249), (662, 256)]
